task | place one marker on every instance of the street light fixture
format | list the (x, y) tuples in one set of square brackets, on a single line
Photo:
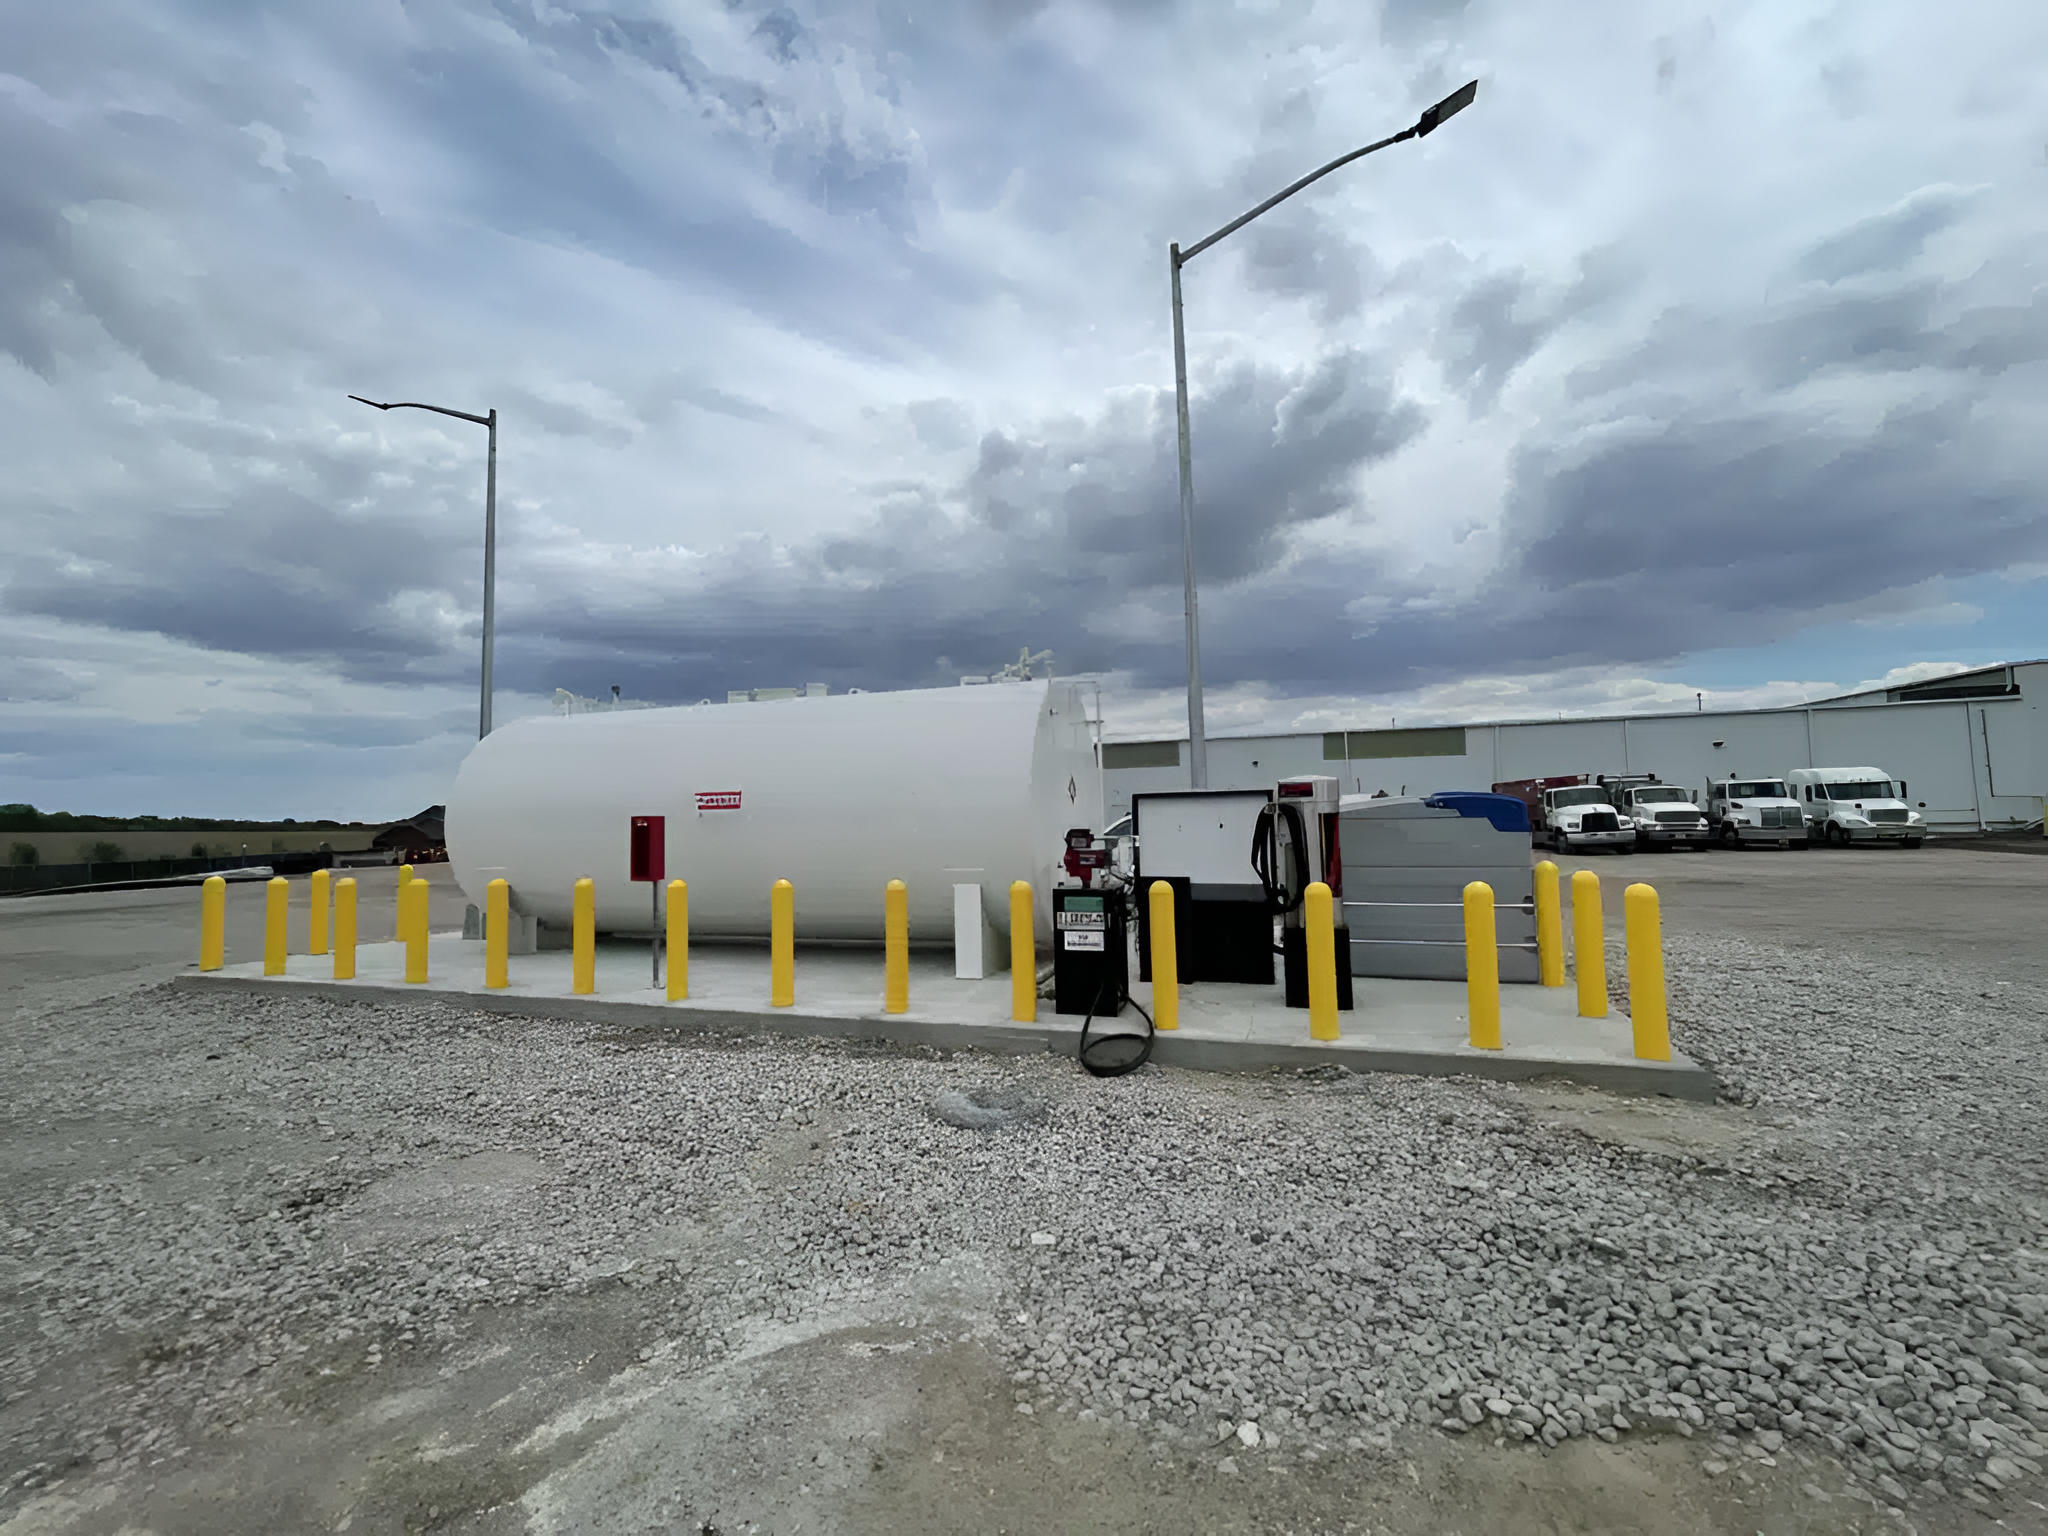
[(483, 725), (1428, 123)]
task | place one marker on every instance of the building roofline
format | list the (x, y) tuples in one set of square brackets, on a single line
[(1673, 714)]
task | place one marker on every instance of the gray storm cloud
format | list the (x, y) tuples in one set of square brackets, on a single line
[(831, 343)]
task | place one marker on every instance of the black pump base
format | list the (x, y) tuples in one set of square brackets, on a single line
[(1294, 967)]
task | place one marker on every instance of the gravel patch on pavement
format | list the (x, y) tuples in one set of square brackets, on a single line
[(215, 1194)]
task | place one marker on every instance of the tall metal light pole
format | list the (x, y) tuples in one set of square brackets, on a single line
[(1198, 743), (483, 722)]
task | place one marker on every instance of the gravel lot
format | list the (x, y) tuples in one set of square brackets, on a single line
[(277, 1263)]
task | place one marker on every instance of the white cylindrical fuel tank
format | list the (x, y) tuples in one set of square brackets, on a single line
[(933, 787)]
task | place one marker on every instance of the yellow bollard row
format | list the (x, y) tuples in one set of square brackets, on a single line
[(1647, 1007), (333, 922), (1643, 932), (1165, 958), (895, 948), (1482, 968), (1318, 914), (1023, 955)]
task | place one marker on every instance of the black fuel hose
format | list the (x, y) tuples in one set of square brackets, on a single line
[(1111, 1063), (1266, 856)]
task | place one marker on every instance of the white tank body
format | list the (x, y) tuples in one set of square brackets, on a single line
[(836, 795)]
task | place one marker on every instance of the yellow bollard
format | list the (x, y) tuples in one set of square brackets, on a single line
[(1322, 963), (213, 923), (678, 940), (1023, 956), (404, 879), (1589, 945), (583, 939), (277, 896), (1482, 967), (345, 930), (412, 922), (316, 921), (1645, 930), (1549, 927), (422, 897), (782, 945), (1165, 959), (896, 947), (497, 934)]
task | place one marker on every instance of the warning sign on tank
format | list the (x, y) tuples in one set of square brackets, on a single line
[(718, 799)]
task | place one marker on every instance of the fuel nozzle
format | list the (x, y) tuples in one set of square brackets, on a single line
[(1084, 858)]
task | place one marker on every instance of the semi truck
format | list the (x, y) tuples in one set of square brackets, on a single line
[(1665, 815), (1856, 805), (1742, 811), (1572, 813)]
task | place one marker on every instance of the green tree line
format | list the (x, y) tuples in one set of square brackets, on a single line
[(26, 818)]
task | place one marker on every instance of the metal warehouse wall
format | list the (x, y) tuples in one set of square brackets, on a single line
[(1976, 762)]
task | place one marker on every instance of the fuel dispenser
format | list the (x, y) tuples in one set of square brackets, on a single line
[(1090, 955), (1294, 845)]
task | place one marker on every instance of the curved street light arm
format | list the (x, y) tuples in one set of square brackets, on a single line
[(414, 405), (1280, 197), (1425, 125)]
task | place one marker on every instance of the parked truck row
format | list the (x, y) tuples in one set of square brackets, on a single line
[(1626, 811)]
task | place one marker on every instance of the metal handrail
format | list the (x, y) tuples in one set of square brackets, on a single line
[(1528, 944), (1527, 906)]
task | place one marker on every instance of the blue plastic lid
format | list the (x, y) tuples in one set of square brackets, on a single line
[(1507, 813)]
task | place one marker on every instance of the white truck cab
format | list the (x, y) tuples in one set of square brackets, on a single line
[(1580, 816), (1665, 814), (1742, 811), (1856, 805)]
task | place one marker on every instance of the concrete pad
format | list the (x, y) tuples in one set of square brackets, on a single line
[(1416, 1027)]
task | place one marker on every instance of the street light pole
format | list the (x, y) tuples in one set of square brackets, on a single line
[(1198, 743), (483, 726)]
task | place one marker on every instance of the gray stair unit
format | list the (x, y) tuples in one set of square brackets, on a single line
[(1407, 861)]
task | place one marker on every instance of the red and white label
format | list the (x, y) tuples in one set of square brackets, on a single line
[(718, 800)]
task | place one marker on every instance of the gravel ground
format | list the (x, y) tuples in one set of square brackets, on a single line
[(218, 1206)]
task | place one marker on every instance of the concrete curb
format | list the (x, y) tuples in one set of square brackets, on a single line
[(1680, 1078)]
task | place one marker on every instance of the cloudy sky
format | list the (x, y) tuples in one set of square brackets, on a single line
[(1707, 351)]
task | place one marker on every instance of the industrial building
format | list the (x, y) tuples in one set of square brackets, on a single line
[(1971, 747)]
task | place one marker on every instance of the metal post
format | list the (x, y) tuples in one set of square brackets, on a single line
[(489, 420), (1198, 743), (483, 727), (654, 924)]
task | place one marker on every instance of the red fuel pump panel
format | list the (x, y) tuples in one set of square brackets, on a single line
[(648, 848), (1083, 858)]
